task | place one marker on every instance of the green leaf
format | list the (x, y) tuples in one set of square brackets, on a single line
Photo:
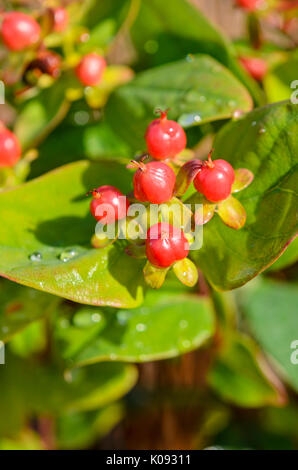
[(41, 114), (265, 142), (270, 309), (289, 257), (196, 91), (162, 34), (239, 376), (69, 143), (28, 385), (168, 324), (277, 82), (79, 430), (19, 306), (49, 218)]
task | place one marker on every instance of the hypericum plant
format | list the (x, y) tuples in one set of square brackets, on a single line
[(165, 243)]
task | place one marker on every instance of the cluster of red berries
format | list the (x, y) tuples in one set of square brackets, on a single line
[(20, 31), (155, 182)]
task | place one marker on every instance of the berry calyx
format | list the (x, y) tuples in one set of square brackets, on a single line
[(256, 67), (10, 149), (108, 204), (19, 31), (164, 138), (61, 19), (153, 182), (215, 179), (165, 245), (249, 5), (90, 69)]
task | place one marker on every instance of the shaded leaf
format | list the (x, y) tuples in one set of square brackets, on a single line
[(162, 34), (289, 257), (168, 324), (41, 114), (239, 376), (270, 309), (180, 87)]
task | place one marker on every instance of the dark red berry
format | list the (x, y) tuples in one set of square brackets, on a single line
[(19, 31), (165, 245), (10, 149), (154, 182), (256, 67), (46, 62), (249, 5), (108, 204), (61, 19), (165, 138), (215, 180), (90, 69)]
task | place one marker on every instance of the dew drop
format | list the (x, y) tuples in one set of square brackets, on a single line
[(183, 324), (254, 123), (36, 256), (262, 130), (202, 99), (237, 113), (141, 327), (67, 255), (189, 58), (96, 317), (113, 357), (4, 329)]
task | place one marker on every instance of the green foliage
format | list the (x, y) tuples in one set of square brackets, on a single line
[(138, 335), (265, 142)]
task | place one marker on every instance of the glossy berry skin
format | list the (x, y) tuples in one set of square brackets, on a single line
[(165, 138), (90, 69), (154, 182), (61, 19), (215, 180), (165, 245), (249, 5), (19, 31), (10, 149), (114, 198), (256, 67)]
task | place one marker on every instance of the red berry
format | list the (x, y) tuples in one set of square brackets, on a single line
[(61, 19), (165, 245), (113, 199), (19, 31), (249, 5), (215, 180), (10, 149), (154, 182), (90, 69), (255, 66), (165, 138)]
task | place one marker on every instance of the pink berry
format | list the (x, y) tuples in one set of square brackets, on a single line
[(61, 19), (255, 66), (215, 180), (90, 69), (154, 182), (165, 245), (10, 149), (165, 138), (19, 31), (108, 204)]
